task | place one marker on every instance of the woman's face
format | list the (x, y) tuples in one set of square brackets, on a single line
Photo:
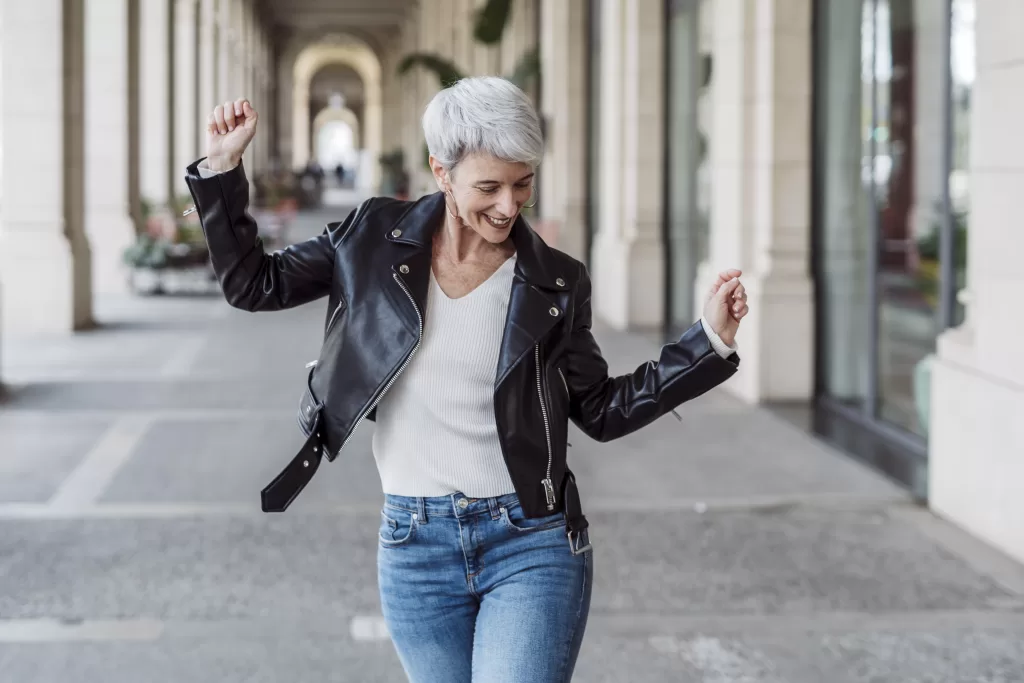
[(486, 193)]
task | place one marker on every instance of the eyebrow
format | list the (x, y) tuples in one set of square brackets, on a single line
[(529, 176)]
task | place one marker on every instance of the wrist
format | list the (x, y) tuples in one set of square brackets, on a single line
[(220, 164)]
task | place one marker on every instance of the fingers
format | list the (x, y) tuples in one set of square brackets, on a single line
[(229, 115), (218, 119), (249, 113), (728, 290), (739, 311), (211, 124), (724, 277)]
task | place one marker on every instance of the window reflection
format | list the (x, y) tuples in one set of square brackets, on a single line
[(887, 166)]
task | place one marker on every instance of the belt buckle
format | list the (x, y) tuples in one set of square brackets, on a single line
[(574, 546)]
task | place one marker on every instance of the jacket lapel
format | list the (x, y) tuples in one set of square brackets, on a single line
[(539, 294), (414, 231), (538, 300)]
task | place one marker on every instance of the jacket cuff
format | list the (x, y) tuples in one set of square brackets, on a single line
[(721, 348)]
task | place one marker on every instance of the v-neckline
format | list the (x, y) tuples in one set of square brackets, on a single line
[(437, 285)]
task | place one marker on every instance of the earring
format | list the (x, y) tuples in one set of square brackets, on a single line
[(448, 193), (533, 193)]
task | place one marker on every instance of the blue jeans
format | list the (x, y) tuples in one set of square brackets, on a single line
[(474, 592)]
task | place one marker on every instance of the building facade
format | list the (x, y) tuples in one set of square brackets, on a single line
[(857, 160)]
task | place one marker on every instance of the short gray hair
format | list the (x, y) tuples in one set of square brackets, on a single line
[(483, 114)]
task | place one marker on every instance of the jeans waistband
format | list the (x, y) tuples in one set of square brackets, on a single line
[(454, 505)]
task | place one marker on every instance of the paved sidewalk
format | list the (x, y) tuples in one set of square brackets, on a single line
[(730, 547)]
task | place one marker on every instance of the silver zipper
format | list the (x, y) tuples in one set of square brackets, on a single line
[(330, 323), (564, 383), (394, 377), (549, 487)]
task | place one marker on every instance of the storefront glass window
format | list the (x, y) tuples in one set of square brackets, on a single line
[(892, 206), (687, 180)]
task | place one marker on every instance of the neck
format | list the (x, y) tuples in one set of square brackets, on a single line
[(461, 244)]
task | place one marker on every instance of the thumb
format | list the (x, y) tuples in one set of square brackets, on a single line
[(725, 291), (250, 114)]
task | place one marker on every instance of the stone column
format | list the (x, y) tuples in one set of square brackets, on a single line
[(628, 261), (155, 90), (111, 104), (187, 119), (208, 72), (225, 50), (977, 435), (246, 71), (563, 174), (760, 211), (259, 97), (44, 252)]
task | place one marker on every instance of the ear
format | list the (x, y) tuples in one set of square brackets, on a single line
[(440, 174)]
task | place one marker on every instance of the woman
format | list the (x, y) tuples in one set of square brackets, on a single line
[(467, 339)]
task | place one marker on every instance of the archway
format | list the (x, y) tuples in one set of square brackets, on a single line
[(336, 140), (362, 60)]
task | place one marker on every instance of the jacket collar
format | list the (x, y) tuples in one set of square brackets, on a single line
[(536, 262), (540, 289)]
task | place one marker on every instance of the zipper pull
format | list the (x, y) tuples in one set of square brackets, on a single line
[(549, 492), (188, 211)]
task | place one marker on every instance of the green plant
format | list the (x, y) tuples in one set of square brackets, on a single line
[(489, 25)]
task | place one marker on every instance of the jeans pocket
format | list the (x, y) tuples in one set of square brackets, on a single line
[(397, 527), (515, 519)]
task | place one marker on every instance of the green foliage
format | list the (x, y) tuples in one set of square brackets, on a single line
[(491, 20), (527, 69), (489, 26), (447, 73)]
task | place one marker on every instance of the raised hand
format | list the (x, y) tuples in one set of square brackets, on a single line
[(229, 130), (726, 304)]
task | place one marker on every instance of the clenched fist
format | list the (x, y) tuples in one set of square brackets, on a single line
[(229, 130), (725, 305)]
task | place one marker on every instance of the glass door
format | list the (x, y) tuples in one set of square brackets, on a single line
[(891, 200), (685, 221)]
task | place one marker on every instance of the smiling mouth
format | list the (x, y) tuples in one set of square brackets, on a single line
[(498, 222)]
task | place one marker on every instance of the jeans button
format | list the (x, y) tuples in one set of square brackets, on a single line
[(463, 503)]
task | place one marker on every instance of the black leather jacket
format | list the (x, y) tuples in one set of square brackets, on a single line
[(374, 269)]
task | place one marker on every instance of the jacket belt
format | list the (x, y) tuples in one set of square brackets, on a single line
[(576, 523), (280, 493)]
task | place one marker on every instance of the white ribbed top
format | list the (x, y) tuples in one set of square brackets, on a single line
[(436, 433)]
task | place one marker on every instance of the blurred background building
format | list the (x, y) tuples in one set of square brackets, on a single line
[(860, 160)]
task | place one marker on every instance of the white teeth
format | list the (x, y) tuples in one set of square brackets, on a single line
[(497, 223)]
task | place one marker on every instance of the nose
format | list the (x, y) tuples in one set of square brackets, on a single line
[(507, 204)]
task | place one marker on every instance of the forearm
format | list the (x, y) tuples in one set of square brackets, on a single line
[(250, 278), (683, 371)]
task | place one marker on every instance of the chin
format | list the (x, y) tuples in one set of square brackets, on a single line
[(494, 233)]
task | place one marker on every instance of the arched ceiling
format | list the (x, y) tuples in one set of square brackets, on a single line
[(338, 78), (374, 20)]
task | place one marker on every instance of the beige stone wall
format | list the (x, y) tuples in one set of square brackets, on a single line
[(760, 207), (628, 264), (96, 112), (563, 173), (45, 262), (976, 446)]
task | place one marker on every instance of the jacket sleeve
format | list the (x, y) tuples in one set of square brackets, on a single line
[(250, 278), (607, 408)]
